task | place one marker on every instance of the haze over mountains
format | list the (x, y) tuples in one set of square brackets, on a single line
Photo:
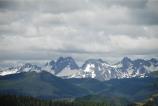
[(66, 67)]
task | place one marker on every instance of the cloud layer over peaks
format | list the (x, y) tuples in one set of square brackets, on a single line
[(43, 29)]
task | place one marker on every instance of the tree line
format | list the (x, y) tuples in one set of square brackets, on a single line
[(13, 100)]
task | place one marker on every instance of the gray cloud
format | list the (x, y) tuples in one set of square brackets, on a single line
[(43, 29)]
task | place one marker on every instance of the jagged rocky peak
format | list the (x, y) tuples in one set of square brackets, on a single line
[(52, 62), (141, 62), (126, 59), (29, 65), (126, 62), (98, 69), (61, 63), (23, 66), (66, 67), (20, 68), (154, 61), (67, 61), (95, 62)]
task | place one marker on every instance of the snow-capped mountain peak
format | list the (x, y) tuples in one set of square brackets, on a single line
[(20, 68), (62, 63), (96, 68), (66, 67)]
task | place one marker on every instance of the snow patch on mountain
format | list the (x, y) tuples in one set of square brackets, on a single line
[(20, 68), (68, 73), (66, 67)]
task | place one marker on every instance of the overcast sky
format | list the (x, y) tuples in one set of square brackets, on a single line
[(36, 30)]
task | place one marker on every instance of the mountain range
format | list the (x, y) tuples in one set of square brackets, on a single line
[(66, 67), (127, 81), (47, 86)]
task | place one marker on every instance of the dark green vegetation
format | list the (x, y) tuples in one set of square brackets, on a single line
[(8, 100), (91, 100), (42, 85), (110, 101), (152, 101), (46, 86), (155, 73), (133, 89)]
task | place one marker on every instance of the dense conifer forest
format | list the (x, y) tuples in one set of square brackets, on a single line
[(12, 100)]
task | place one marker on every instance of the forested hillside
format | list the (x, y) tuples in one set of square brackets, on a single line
[(10, 100)]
